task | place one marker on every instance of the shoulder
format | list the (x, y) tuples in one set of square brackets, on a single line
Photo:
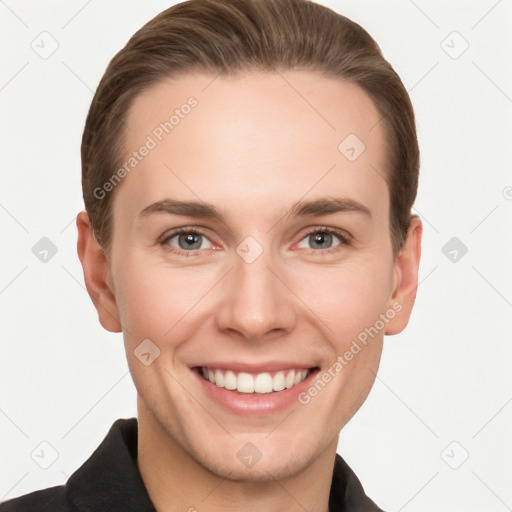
[(108, 480), (52, 499), (347, 493)]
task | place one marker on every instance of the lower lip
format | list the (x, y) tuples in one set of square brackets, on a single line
[(253, 404)]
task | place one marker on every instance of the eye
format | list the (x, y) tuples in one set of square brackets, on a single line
[(187, 240), (323, 239)]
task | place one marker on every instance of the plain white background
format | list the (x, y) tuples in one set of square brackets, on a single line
[(435, 432)]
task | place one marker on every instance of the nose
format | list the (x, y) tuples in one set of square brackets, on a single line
[(255, 302)]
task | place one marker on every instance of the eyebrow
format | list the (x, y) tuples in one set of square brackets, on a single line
[(202, 210), (326, 206)]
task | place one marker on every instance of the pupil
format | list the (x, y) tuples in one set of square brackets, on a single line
[(190, 241), (322, 239)]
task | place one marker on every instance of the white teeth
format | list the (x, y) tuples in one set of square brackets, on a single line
[(219, 378), (244, 382), (278, 381), (263, 383), (288, 382), (230, 380)]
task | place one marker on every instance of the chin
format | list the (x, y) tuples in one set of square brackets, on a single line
[(265, 470), (253, 459)]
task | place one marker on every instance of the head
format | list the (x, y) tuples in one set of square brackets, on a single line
[(282, 144)]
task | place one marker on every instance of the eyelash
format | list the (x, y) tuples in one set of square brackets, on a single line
[(342, 235), (164, 242)]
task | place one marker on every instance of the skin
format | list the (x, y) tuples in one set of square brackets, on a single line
[(253, 146)]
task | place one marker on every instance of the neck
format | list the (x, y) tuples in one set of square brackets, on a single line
[(176, 481)]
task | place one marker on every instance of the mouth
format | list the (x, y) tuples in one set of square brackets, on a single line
[(254, 390), (262, 383)]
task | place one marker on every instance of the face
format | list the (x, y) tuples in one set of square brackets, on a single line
[(254, 252)]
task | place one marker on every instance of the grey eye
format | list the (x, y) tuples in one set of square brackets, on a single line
[(320, 240), (190, 241)]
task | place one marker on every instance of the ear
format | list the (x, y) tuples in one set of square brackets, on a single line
[(97, 275), (406, 267)]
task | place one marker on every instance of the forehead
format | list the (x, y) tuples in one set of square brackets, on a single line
[(251, 139)]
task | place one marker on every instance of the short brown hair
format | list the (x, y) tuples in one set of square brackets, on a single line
[(227, 36)]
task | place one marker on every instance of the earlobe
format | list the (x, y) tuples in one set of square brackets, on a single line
[(97, 275), (406, 278)]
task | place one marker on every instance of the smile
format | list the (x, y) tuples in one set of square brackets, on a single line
[(243, 382)]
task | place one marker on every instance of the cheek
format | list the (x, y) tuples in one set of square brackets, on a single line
[(348, 298), (155, 300)]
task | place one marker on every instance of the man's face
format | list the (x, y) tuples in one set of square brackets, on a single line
[(266, 289)]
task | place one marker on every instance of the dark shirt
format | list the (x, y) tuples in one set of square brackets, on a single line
[(110, 481)]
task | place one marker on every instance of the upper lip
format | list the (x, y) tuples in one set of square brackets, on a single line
[(271, 366)]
